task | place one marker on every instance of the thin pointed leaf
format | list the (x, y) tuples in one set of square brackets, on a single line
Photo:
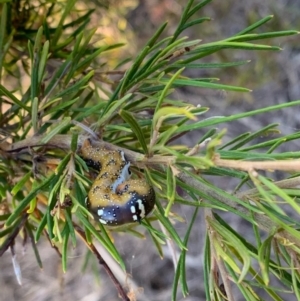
[(136, 129)]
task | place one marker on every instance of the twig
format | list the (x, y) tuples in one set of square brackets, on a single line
[(195, 150), (125, 279), (64, 142), (171, 246), (286, 183), (10, 239), (101, 261), (52, 245), (287, 165), (220, 264)]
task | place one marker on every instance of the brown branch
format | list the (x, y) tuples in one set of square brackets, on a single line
[(287, 165), (53, 246), (64, 142), (10, 239), (102, 262), (58, 141), (286, 183)]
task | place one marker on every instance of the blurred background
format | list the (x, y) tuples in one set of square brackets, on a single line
[(273, 77)]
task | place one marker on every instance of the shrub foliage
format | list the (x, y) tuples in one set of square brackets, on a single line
[(57, 89)]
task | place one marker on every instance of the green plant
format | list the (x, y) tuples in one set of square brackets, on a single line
[(48, 181)]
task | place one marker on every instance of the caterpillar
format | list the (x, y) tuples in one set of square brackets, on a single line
[(115, 199)]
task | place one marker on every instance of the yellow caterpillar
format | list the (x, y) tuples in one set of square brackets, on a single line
[(115, 199)]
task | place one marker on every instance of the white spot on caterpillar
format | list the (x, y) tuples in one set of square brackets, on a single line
[(132, 209), (141, 208), (100, 212), (135, 217), (102, 221)]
